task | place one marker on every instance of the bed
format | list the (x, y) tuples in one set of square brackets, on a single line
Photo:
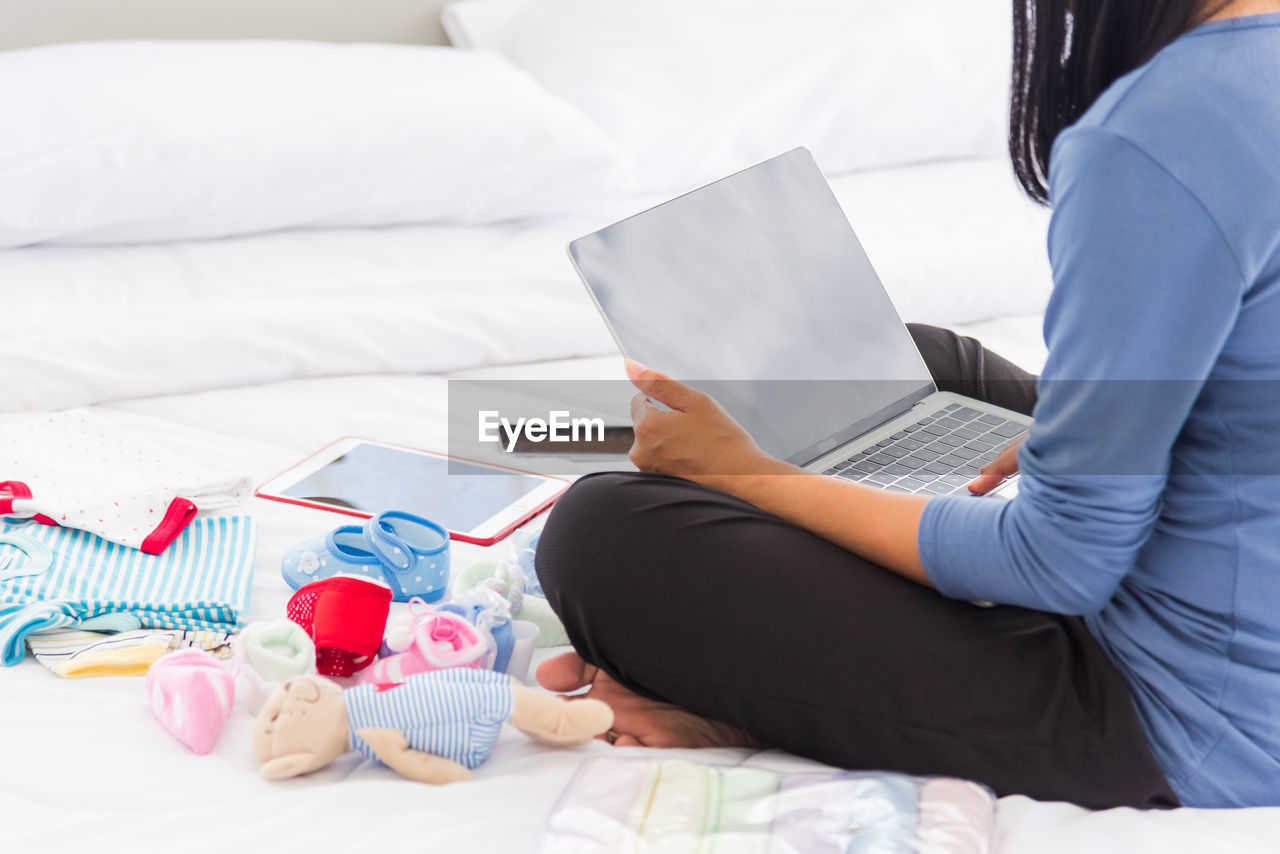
[(244, 347)]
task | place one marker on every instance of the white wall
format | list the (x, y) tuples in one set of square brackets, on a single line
[(30, 22)]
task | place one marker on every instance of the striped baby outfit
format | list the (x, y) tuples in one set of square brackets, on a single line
[(62, 576), (455, 713), (78, 654)]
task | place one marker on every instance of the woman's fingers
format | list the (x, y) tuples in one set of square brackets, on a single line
[(660, 387), (984, 483), (640, 408), (994, 473)]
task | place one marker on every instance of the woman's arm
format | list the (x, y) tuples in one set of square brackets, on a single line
[(1147, 290), (698, 440)]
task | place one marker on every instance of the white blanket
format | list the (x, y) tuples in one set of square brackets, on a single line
[(953, 242)]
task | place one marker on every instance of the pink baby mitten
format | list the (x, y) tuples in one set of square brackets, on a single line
[(191, 695)]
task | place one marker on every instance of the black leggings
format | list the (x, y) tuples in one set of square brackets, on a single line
[(696, 598)]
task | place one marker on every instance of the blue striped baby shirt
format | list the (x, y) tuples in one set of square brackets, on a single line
[(455, 713), (201, 582)]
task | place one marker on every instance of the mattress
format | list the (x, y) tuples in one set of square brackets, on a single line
[(246, 354)]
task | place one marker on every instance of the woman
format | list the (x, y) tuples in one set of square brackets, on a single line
[(1134, 656)]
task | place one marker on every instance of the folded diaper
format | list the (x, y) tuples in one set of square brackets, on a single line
[(77, 470), (200, 583)]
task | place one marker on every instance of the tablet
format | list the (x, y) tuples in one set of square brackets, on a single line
[(477, 502)]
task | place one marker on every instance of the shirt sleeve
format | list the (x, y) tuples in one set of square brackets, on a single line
[(1146, 292)]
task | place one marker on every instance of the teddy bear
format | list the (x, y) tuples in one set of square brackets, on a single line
[(445, 722)]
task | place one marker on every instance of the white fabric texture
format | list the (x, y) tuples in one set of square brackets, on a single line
[(175, 796), (953, 243), (692, 90), (83, 472), (120, 142), (233, 354)]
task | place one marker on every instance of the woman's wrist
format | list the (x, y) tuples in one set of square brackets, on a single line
[(754, 477)]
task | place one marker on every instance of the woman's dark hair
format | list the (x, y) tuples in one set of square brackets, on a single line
[(1067, 52)]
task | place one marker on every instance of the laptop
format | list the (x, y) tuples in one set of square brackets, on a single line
[(756, 290)]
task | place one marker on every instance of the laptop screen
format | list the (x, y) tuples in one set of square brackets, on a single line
[(756, 290)]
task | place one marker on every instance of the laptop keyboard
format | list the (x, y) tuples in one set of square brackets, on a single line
[(938, 455)]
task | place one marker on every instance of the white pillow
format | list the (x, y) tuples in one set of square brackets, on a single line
[(695, 89), (116, 142)]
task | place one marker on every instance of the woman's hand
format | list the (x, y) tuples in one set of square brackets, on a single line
[(696, 440), (995, 472)]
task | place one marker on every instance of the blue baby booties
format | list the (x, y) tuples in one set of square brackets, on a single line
[(407, 552)]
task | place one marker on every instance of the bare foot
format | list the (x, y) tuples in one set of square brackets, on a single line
[(638, 721)]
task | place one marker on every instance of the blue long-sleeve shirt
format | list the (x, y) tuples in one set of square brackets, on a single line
[(1150, 495)]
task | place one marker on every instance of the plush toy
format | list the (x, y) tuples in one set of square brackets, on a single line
[(433, 727)]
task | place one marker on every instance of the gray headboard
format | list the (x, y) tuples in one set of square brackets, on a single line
[(24, 23)]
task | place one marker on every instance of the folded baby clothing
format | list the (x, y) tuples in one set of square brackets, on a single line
[(60, 578), (77, 470), (78, 654), (675, 806)]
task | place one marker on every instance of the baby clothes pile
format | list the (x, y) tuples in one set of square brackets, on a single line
[(102, 535), (339, 624), (77, 470), (74, 578), (674, 806), (78, 654)]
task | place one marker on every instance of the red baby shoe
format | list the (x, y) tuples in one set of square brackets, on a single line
[(345, 615)]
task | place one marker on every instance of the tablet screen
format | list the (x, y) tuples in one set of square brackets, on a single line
[(372, 478)]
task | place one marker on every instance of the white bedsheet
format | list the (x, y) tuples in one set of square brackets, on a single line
[(245, 354), (86, 764)]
